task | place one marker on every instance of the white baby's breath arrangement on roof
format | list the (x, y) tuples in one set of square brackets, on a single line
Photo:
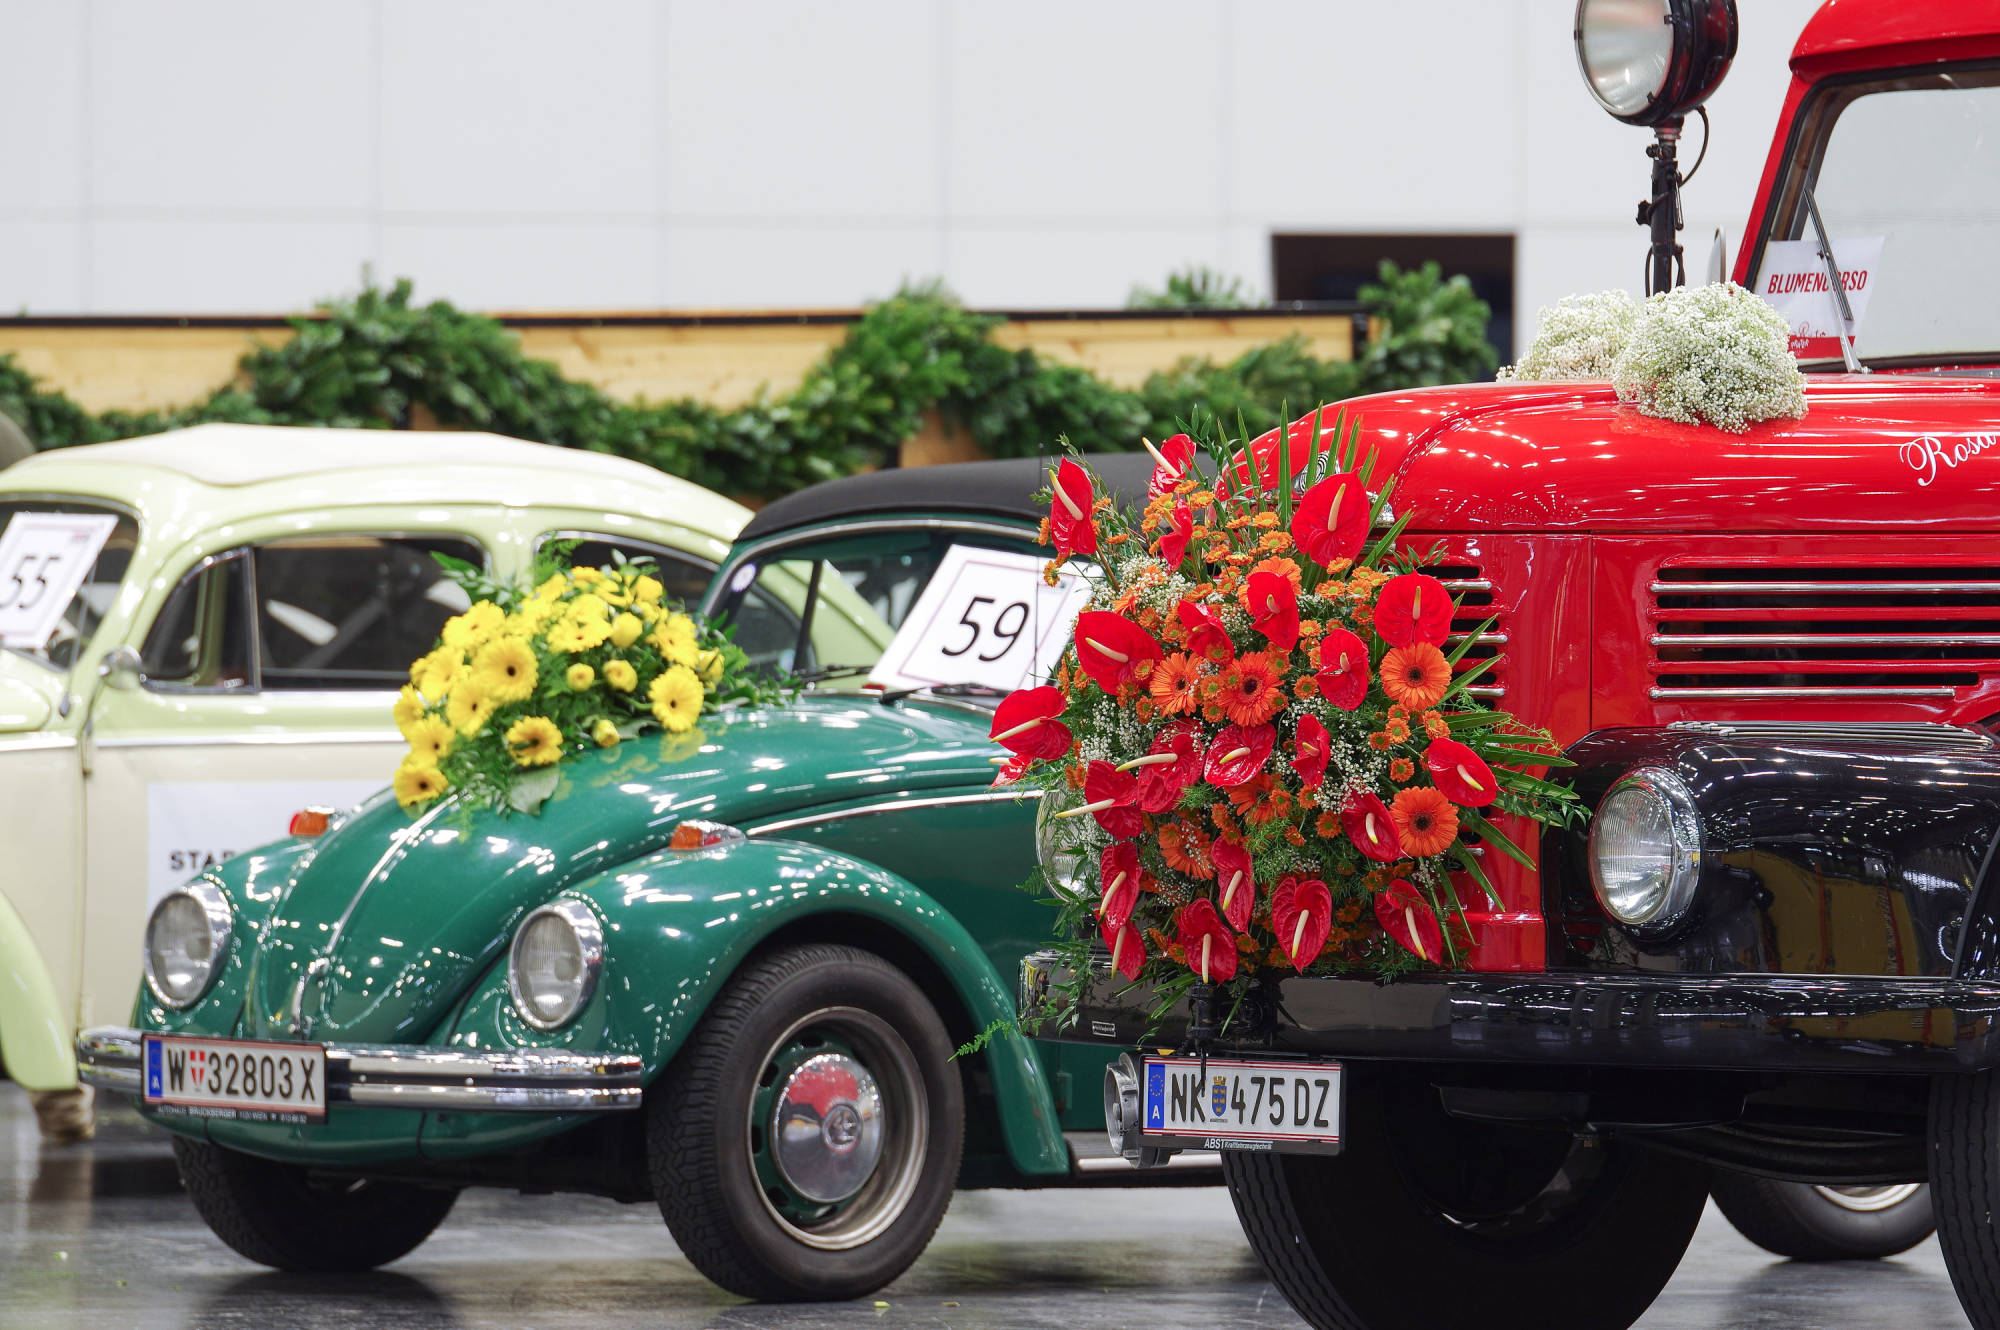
[(1580, 337), (1714, 354)]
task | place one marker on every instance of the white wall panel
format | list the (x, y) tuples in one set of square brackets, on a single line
[(176, 266), (41, 266), (41, 104), (802, 266), (526, 265), (1049, 267)]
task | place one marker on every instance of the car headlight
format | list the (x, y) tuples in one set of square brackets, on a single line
[(187, 939), (1645, 849), (1652, 61), (1064, 866), (552, 968)]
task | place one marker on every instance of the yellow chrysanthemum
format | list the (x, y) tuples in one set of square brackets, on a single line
[(625, 630), (466, 631), (604, 734), (647, 590), (528, 620), (430, 739), (505, 669), (418, 783), (534, 741), (409, 709), (676, 696), (709, 666), (620, 676), (434, 674), (587, 606), (675, 639), (581, 576), (579, 677), (469, 708)]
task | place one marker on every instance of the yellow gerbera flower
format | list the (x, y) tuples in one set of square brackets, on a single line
[(534, 741), (430, 739), (709, 666), (417, 783), (435, 673), (620, 675), (466, 631), (581, 576), (647, 590), (579, 677), (676, 696), (565, 637), (587, 606), (604, 734), (676, 640), (552, 586), (625, 630), (505, 669), (469, 708), (409, 709)]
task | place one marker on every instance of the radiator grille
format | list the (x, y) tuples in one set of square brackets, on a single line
[(1811, 631), (1474, 596)]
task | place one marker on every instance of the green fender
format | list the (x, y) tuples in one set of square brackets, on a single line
[(678, 924), (34, 1034)]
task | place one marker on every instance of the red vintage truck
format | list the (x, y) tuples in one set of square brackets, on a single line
[(1775, 658)]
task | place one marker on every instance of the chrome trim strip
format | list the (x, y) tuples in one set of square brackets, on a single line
[(1498, 639), (1751, 694), (514, 1080), (1920, 733), (1820, 588), (1825, 640), (891, 806), (1488, 690), (1119, 1164), (1466, 584)]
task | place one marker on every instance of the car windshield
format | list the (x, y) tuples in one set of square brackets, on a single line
[(827, 608), (1906, 175), (44, 557)]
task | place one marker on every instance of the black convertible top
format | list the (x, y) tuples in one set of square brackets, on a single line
[(1004, 488)]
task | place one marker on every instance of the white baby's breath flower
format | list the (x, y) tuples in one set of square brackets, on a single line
[(1714, 354), (1578, 338)]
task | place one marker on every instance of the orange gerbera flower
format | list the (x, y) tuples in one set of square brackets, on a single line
[(1251, 690), (1285, 568), (1174, 684), (1426, 822), (1185, 848), (1415, 675)]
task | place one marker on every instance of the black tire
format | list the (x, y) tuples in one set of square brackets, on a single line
[(281, 1216), (1806, 1223), (705, 1150), (1428, 1221), (1965, 1189)]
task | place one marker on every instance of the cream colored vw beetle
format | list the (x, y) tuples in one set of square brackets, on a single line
[(203, 632)]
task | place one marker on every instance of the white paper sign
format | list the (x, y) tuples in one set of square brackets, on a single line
[(1793, 281), (43, 560), (193, 825), (986, 617)]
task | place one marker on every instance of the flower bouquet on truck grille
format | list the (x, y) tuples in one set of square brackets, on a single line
[(1261, 752)]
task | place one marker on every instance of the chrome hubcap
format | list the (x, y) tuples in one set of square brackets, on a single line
[(827, 1128), (1867, 1200)]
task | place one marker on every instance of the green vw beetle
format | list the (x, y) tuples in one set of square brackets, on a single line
[(724, 970)]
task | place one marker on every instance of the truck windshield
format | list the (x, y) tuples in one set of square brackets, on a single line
[(1906, 172)]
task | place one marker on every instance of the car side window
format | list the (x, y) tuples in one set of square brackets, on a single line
[(341, 612), (683, 575), (201, 637)]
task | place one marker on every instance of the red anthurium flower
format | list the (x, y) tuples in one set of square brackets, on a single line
[(1413, 608), (1011, 770), (1120, 880), (1110, 647), (1331, 521), (1311, 746), (1274, 608), (1406, 916), (1174, 540), (1210, 946), (1163, 782), (1025, 724), (1366, 821), (1206, 637), (1301, 916), (1238, 753), (1128, 947), (1071, 524), (1460, 773), (1109, 794), (1343, 669), (1235, 883), (1171, 459)]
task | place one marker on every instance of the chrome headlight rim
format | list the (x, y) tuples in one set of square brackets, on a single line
[(588, 931), (1683, 48), (221, 918), (1684, 870)]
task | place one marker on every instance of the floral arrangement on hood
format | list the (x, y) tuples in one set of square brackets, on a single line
[(1579, 337), (1260, 754), (587, 659)]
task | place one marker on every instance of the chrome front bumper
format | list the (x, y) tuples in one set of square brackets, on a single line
[(420, 1076)]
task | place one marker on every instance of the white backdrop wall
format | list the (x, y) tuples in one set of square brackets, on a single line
[(246, 156)]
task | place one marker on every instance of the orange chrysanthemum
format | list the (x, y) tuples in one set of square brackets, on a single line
[(1426, 822), (1185, 848), (1402, 769), (1175, 684), (1415, 675), (1251, 690)]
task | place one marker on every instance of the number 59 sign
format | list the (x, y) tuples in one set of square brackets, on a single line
[(985, 617), (43, 560)]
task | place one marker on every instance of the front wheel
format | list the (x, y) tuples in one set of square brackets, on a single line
[(1428, 1221), (1813, 1223), (806, 1141)]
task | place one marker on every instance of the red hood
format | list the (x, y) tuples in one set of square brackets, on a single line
[(1879, 453), (1847, 35)]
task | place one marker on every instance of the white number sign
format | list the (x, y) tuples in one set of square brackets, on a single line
[(1793, 281), (44, 558), (986, 617)]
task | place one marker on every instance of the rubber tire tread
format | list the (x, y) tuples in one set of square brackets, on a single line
[(1792, 1220), (1965, 1189), (689, 1177), (265, 1211)]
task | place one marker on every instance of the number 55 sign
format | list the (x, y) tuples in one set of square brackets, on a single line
[(43, 560), (985, 617)]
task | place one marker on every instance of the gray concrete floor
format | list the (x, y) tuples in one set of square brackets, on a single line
[(99, 1235)]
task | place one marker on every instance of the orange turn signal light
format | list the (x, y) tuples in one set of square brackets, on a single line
[(700, 835), (310, 821)]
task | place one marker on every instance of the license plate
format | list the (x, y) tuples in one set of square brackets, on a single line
[(1243, 1105), (235, 1078)]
